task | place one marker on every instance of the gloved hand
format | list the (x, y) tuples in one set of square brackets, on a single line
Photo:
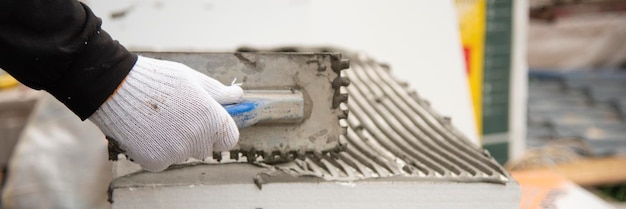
[(165, 112)]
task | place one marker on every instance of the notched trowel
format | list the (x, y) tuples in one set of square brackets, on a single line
[(293, 103)]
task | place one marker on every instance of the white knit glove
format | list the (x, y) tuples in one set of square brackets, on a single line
[(165, 112)]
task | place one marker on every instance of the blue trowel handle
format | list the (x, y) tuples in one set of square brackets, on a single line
[(268, 107)]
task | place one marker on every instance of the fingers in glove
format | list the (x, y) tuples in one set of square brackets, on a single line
[(223, 132), (221, 93), (229, 135)]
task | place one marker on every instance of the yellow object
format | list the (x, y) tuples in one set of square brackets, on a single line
[(471, 14), (6, 81)]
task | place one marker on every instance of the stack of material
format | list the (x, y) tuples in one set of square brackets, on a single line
[(587, 105), (576, 126), (400, 154)]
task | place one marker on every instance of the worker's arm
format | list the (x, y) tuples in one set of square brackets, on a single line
[(159, 112), (58, 46)]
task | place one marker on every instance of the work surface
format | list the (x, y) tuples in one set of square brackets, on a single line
[(398, 148), (400, 154)]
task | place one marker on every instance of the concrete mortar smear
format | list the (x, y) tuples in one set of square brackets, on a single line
[(392, 132)]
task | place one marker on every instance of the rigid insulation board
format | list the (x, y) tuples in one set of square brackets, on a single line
[(399, 153)]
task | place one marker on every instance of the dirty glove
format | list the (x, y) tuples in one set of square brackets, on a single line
[(165, 112)]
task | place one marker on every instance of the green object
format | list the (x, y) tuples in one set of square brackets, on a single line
[(496, 78), (499, 151), (617, 192)]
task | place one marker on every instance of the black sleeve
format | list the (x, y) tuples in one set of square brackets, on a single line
[(58, 46)]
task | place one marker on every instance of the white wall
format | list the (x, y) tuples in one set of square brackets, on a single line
[(518, 101), (418, 38)]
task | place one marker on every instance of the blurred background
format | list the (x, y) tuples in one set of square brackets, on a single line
[(540, 84)]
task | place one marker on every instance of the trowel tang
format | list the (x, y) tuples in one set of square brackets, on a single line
[(268, 107)]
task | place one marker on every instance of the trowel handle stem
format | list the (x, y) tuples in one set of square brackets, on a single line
[(268, 107)]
